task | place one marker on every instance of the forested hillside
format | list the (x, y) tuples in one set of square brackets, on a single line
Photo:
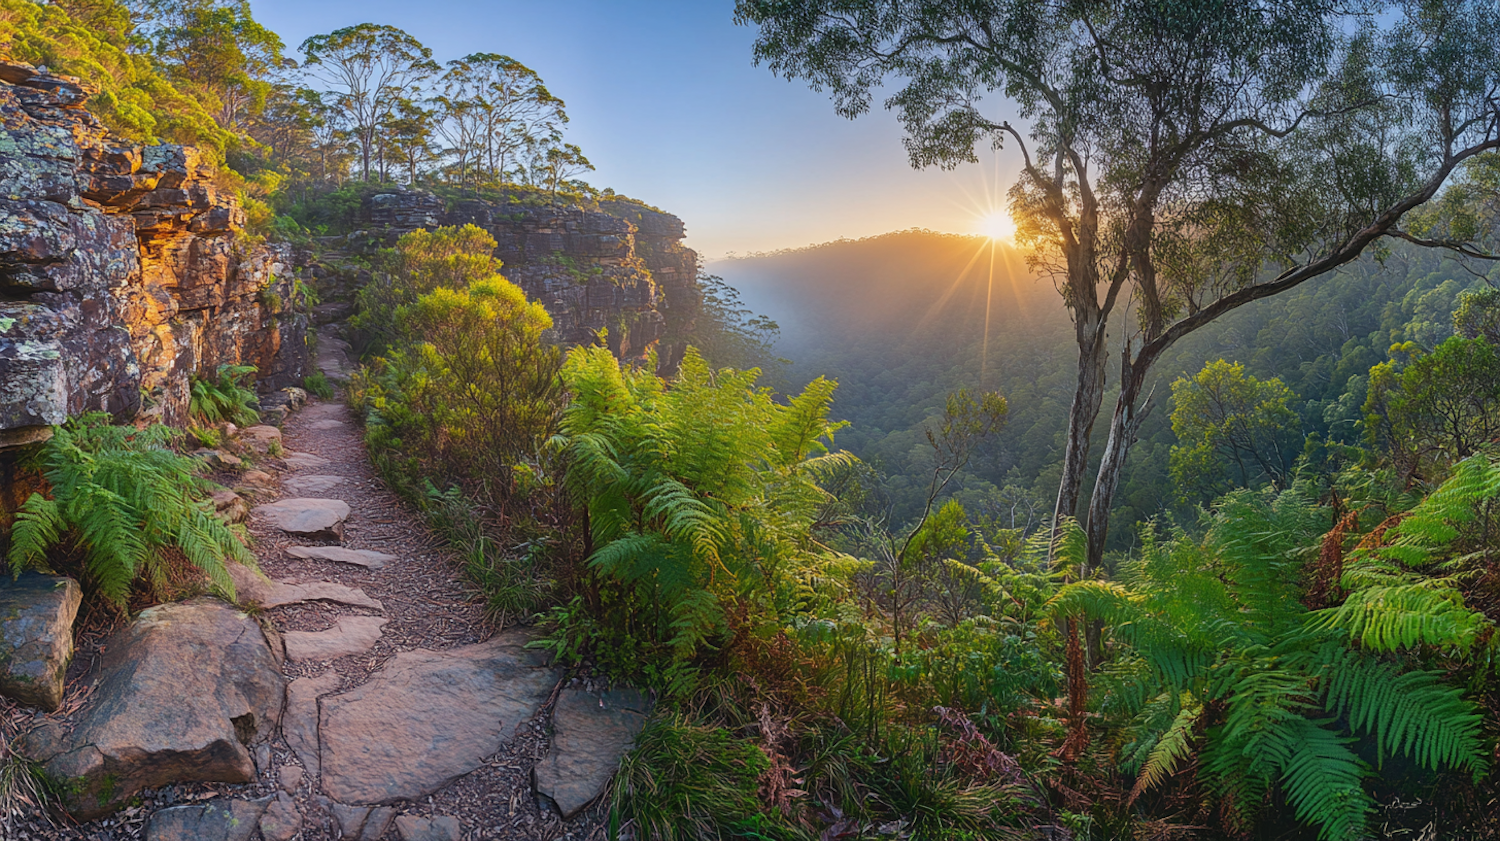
[(899, 320)]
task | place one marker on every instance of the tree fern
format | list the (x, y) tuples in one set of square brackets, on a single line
[(700, 492), (123, 497), (1219, 620)]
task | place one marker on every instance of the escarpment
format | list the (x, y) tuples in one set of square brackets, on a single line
[(123, 270), (615, 266)]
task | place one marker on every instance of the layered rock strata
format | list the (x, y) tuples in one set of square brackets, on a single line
[(122, 270), (621, 267)]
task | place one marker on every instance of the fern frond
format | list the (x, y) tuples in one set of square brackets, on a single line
[(1390, 618), (1324, 782), (1175, 745), (37, 528)]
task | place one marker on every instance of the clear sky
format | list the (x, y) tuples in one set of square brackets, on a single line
[(665, 102)]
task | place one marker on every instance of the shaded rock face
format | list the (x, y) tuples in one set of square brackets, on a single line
[(182, 692), (120, 272), (622, 267), (36, 637)]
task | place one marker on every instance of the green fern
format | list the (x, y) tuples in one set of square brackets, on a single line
[(225, 398), (122, 496), (1218, 620), (699, 492)]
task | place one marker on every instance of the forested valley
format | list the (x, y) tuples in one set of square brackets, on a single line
[(1174, 516)]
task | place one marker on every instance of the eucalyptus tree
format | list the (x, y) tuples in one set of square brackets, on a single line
[(493, 107), (371, 67), (1182, 159), (216, 50)]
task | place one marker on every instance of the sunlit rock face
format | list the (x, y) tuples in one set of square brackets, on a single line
[(621, 268), (121, 274)]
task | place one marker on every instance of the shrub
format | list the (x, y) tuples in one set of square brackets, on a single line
[(123, 497), (224, 398), (475, 394), (422, 262)]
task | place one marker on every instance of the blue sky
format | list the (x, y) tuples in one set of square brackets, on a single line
[(666, 103)]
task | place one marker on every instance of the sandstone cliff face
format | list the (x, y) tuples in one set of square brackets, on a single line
[(121, 275), (621, 268)]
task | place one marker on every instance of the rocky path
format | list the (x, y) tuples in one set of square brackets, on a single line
[(405, 716)]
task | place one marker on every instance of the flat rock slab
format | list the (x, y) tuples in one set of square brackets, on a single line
[(181, 692), (326, 423), (300, 723), (251, 587), (216, 820), (312, 485), (429, 717), (590, 732), (307, 516), (36, 637), (338, 554), (305, 460), (350, 635), (438, 828)]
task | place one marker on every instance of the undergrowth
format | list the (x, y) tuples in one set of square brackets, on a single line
[(225, 397), (123, 498)]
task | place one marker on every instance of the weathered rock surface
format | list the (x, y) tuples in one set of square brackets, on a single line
[(218, 459), (437, 828), (219, 819), (260, 440), (230, 506), (307, 516), (428, 717), (182, 691), (300, 724), (251, 587), (289, 777), (304, 460), (349, 635), (36, 637), (257, 480), (590, 732), (120, 275), (339, 554), (281, 821), (312, 485)]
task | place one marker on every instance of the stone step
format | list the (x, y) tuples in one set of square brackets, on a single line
[(349, 635), (339, 554), (307, 516), (251, 587), (429, 717)]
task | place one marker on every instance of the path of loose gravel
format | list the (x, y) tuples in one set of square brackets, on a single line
[(428, 605)]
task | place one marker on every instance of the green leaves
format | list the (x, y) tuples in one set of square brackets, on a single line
[(700, 492), (1218, 623), (124, 498)]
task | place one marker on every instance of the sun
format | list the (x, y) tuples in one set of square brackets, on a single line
[(997, 225)]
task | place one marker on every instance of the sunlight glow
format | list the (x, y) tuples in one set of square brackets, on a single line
[(998, 225)]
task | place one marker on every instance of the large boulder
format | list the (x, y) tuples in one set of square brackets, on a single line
[(36, 637), (590, 732), (429, 717), (182, 693)]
